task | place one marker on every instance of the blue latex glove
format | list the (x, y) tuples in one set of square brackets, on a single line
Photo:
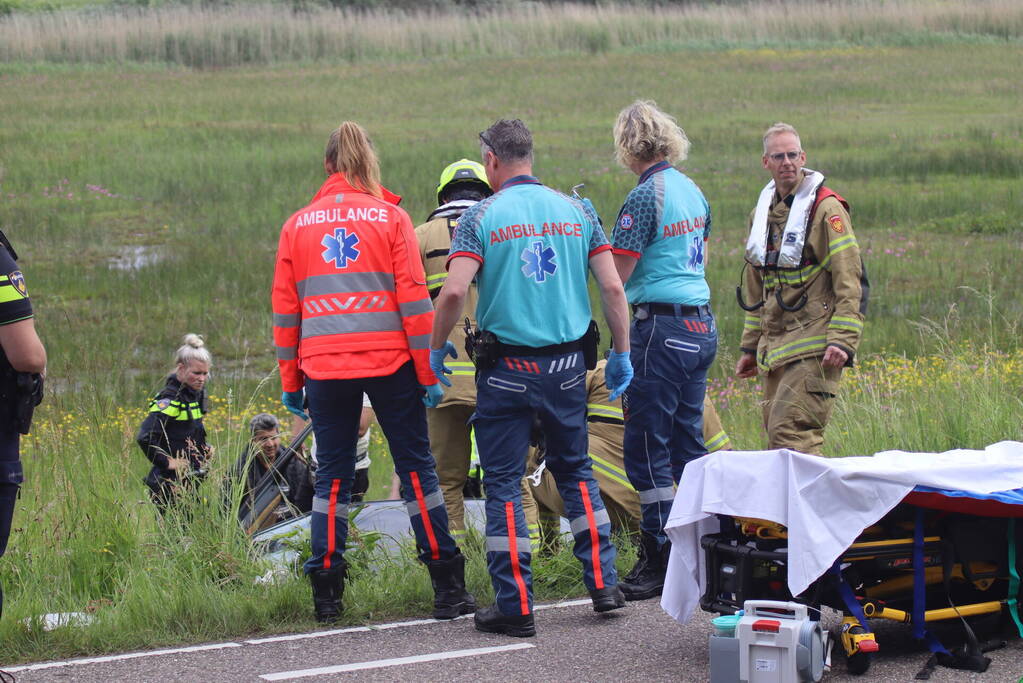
[(618, 373), (294, 401), (434, 394), (437, 362)]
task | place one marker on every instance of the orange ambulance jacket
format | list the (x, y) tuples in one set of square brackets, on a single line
[(349, 292)]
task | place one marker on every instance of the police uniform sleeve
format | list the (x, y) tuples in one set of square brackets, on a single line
[(637, 222), (753, 288), (414, 304), (847, 279), (467, 240), (14, 302), (152, 436)]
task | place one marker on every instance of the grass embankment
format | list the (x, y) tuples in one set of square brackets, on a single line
[(199, 169), (216, 35)]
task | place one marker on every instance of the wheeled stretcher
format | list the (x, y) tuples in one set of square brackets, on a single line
[(908, 537), (923, 562)]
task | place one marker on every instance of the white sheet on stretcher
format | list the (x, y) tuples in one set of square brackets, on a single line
[(824, 502)]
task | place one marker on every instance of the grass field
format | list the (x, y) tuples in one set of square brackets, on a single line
[(145, 202)]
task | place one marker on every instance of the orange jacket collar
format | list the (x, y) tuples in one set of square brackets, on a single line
[(337, 183)]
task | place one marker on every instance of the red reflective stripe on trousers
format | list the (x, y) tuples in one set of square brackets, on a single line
[(513, 551), (427, 523), (536, 368), (335, 484), (507, 361), (598, 574)]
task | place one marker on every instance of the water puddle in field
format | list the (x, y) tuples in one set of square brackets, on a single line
[(135, 257)]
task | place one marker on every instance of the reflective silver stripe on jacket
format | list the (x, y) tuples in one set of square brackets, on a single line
[(353, 303), (434, 500), (419, 341), (344, 323), (287, 319), (411, 308), (656, 495), (500, 544), (344, 283), (581, 525), (287, 352), (322, 505)]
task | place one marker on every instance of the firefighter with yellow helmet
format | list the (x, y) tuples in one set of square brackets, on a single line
[(461, 185)]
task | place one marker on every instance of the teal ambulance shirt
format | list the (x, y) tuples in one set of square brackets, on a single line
[(534, 245), (664, 223)]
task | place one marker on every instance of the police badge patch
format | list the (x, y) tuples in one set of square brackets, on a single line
[(163, 403), (836, 224), (18, 282)]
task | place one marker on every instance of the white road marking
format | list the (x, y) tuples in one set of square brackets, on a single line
[(303, 636), (115, 658), (567, 603), (397, 661), (395, 624), (261, 641)]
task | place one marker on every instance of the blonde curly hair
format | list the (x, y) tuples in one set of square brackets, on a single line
[(644, 133)]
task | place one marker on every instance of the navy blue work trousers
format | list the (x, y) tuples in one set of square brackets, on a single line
[(663, 408), (508, 398), (335, 406)]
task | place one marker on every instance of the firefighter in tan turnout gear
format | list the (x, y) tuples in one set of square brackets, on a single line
[(606, 428), (461, 185), (806, 295)]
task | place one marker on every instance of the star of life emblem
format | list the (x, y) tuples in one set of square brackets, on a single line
[(340, 248), (539, 261)]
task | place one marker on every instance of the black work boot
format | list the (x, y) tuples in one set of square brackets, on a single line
[(607, 598), (490, 620), (328, 588), (450, 599), (646, 580)]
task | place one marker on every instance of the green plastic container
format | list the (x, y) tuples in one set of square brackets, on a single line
[(724, 625)]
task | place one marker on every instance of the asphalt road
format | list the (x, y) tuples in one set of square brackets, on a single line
[(638, 643)]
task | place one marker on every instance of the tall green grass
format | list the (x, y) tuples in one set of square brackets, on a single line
[(204, 167), (206, 36)]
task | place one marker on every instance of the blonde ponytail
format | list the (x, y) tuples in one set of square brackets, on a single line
[(352, 154)]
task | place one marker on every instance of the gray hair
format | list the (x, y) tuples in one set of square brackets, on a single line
[(193, 349), (778, 129), (509, 140), (264, 422)]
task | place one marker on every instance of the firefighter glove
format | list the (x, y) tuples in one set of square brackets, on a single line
[(437, 363), (618, 373)]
